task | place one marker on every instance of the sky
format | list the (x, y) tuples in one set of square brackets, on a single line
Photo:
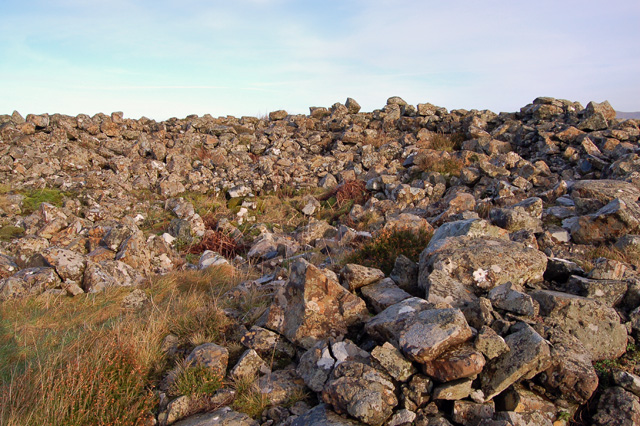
[(172, 58)]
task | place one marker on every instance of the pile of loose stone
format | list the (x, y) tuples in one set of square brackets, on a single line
[(497, 324)]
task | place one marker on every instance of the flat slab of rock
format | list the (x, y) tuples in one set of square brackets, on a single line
[(459, 269), (591, 195), (356, 276), (610, 292), (457, 363), (596, 325), (222, 417), (322, 415), (619, 217), (432, 332), (453, 391), (383, 294), (528, 355), (386, 326), (468, 228), (311, 307)]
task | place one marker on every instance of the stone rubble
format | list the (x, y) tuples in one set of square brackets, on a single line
[(499, 322)]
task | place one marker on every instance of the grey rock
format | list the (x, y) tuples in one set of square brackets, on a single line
[(222, 417), (405, 274), (617, 407), (362, 392), (281, 386), (490, 343), (211, 356), (459, 269), (387, 325), (628, 381), (505, 298), (432, 332), (322, 415), (383, 294), (596, 325), (528, 355), (610, 292)]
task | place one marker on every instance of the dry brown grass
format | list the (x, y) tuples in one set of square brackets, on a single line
[(438, 161), (86, 360)]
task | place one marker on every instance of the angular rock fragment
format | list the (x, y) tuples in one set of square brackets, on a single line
[(383, 294), (311, 307), (356, 276), (596, 325), (322, 415), (362, 392), (456, 363), (617, 407), (528, 355), (393, 362), (387, 325), (432, 332)]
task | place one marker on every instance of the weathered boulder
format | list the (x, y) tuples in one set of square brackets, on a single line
[(281, 386), (528, 355), (382, 294), (571, 374), (222, 417), (29, 281), (392, 362), (209, 355), (312, 306), (596, 325), (457, 270), (362, 392), (322, 415), (618, 218), (468, 228), (432, 332), (109, 273), (617, 407), (609, 292), (356, 276), (387, 325)]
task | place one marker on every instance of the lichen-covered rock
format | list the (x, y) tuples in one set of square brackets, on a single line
[(211, 356), (571, 374), (383, 294), (109, 273), (29, 281), (322, 415), (528, 355), (222, 417), (281, 386), (356, 276), (387, 325), (596, 325), (393, 362), (457, 270), (432, 332), (617, 407), (362, 392), (312, 306)]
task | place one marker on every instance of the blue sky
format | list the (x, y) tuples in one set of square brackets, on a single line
[(167, 58)]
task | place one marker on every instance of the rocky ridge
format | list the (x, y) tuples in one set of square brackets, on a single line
[(529, 279)]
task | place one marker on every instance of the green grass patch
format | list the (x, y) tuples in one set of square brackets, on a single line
[(35, 197), (196, 381), (9, 232), (382, 250)]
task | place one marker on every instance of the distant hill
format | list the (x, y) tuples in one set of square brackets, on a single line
[(628, 115)]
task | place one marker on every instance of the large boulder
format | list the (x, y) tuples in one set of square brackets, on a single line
[(596, 325), (457, 270), (362, 392), (109, 273), (617, 407), (528, 355), (571, 374), (312, 306), (432, 332)]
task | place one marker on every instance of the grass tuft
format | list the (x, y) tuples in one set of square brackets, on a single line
[(382, 250)]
